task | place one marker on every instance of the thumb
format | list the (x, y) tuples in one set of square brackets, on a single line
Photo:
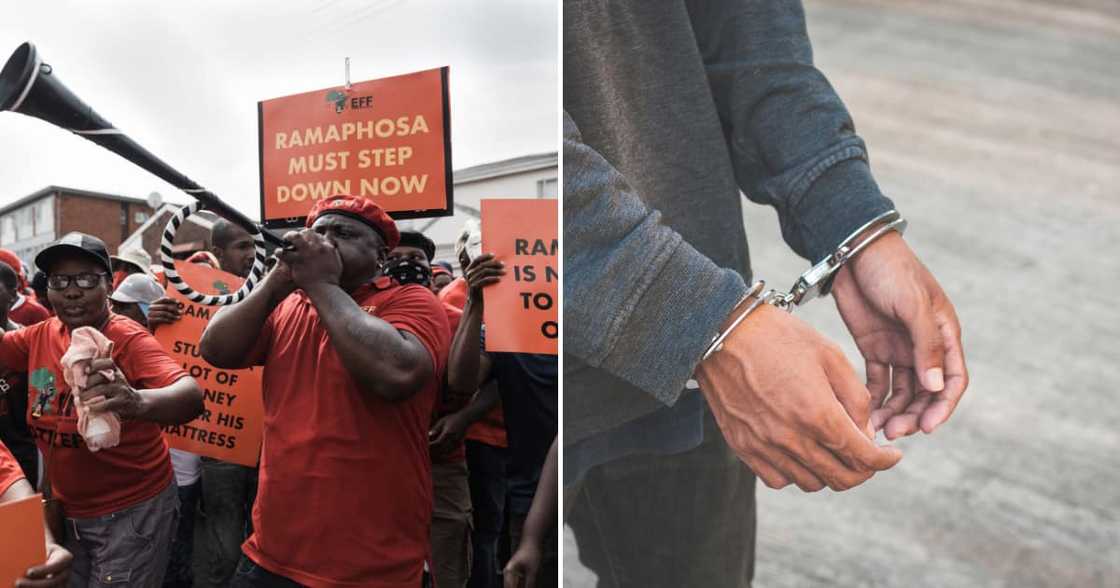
[(929, 349)]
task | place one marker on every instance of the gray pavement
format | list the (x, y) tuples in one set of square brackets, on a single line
[(995, 126)]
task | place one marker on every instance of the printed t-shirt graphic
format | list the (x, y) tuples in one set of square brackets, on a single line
[(93, 484)]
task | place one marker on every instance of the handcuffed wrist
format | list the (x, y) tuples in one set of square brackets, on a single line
[(817, 280), (751, 302)]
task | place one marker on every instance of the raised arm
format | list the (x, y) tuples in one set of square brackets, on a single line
[(467, 364), (233, 337), (387, 362)]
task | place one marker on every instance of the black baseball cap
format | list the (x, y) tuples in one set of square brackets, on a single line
[(75, 243), (420, 241)]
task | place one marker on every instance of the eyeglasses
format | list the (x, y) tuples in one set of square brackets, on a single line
[(83, 281)]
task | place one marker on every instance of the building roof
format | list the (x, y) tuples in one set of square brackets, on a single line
[(30, 198), (525, 163)]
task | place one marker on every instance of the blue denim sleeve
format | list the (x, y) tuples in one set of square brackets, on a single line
[(639, 302), (792, 141)]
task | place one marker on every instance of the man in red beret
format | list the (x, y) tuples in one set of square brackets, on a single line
[(345, 495)]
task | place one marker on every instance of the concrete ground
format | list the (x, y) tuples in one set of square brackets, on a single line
[(995, 127)]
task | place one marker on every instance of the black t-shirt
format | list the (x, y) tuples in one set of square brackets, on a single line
[(528, 385)]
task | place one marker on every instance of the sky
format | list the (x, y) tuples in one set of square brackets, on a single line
[(183, 80)]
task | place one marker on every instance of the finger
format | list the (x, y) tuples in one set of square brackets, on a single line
[(92, 393), (906, 423), (485, 272), (296, 239), (101, 363), (878, 383), (846, 442), (792, 469), (50, 568), (766, 472), (855, 399), (56, 582), (956, 379), (902, 394), (929, 348), (96, 378), (481, 259), (120, 404)]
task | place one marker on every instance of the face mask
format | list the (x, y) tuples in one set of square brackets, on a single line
[(407, 271)]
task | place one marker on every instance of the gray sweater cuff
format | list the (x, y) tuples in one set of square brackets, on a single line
[(673, 322), (839, 200)]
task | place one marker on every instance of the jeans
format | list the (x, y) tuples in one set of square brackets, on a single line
[(487, 465), (250, 575), (451, 525), (228, 491), (129, 547), (180, 573), (655, 521)]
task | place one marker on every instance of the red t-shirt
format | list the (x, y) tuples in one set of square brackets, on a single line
[(455, 293), (446, 404), (92, 484), (10, 472), (345, 495), (27, 312), (491, 429)]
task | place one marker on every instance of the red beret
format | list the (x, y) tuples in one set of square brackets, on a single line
[(362, 209), (16, 264)]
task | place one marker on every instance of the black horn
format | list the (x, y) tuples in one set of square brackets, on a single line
[(29, 86)]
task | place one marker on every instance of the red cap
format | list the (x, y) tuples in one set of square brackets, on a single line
[(10, 258), (358, 208)]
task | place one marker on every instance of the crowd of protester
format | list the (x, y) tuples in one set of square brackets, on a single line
[(397, 452)]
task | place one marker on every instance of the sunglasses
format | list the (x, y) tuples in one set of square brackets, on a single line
[(86, 281)]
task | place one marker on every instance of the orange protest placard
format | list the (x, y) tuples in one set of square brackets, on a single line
[(231, 425), (521, 310), (388, 140), (22, 543)]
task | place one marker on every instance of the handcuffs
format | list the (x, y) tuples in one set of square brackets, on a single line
[(815, 282)]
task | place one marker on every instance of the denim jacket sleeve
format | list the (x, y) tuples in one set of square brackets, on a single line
[(640, 302), (792, 141)]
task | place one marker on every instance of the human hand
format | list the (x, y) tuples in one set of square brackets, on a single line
[(447, 433), (103, 394), (312, 259), (908, 333), (791, 406), (483, 271), (521, 570), (163, 312), (53, 573), (278, 280)]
